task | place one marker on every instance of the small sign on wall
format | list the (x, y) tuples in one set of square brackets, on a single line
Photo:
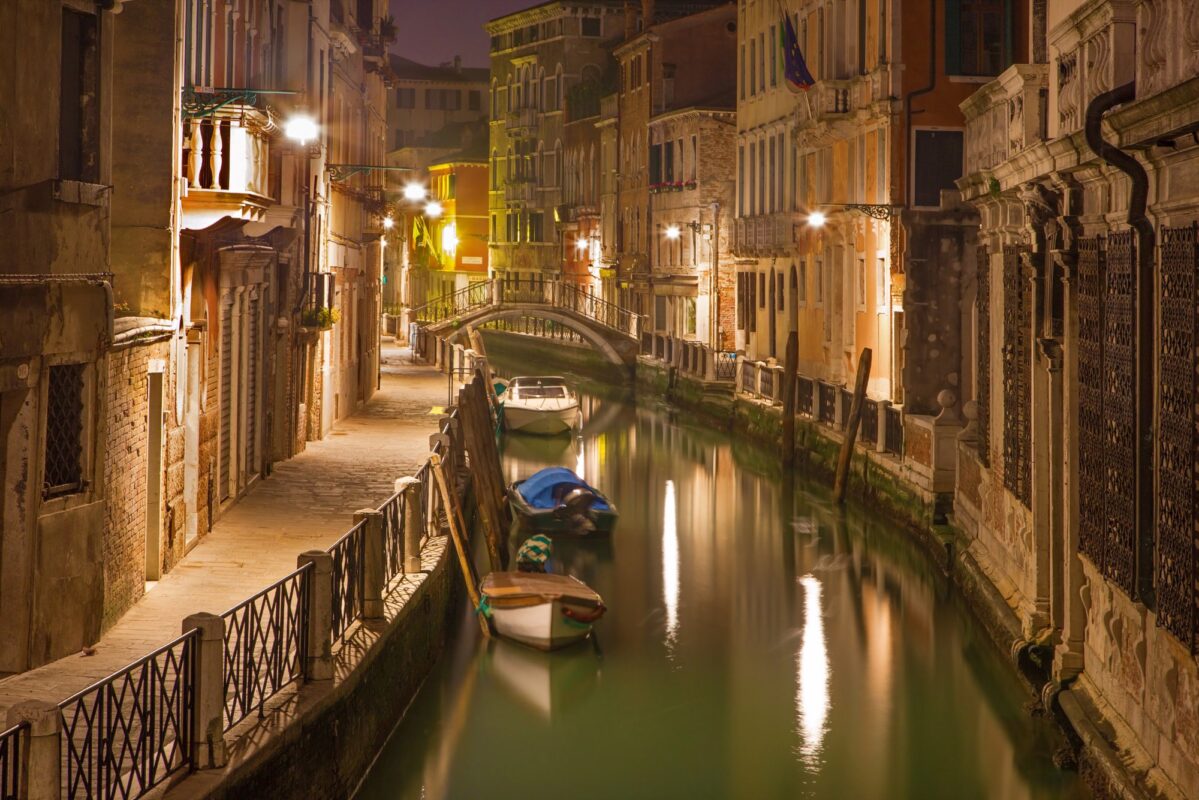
[(472, 260)]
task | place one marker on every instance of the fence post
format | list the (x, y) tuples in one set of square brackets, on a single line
[(374, 568), (208, 718), (414, 523), (881, 445), (738, 384), (319, 666), (42, 757)]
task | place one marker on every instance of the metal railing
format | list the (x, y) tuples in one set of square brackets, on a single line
[(11, 765), (828, 402), (893, 435), (869, 430), (349, 553), (726, 365), (393, 536), (766, 387), (535, 290), (126, 734), (846, 405), (805, 395), (266, 642)]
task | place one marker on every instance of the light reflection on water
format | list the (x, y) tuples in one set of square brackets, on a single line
[(821, 656)]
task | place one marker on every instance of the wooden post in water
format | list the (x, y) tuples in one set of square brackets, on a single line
[(458, 535), (790, 373), (851, 427), (477, 428)]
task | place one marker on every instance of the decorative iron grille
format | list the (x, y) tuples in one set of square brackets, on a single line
[(869, 429), (129, 732), (10, 762), (805, 395), (1090, 399), (726, 366), (348, 554), (265, 645), (1176, 453), (1017, 366), (393, 535), (893, 434), (983, 339), (64, 431), (1119, 413), (767, 384)]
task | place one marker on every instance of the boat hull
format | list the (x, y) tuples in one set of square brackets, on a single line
[(544, 520), (546, 422), (543, 626)]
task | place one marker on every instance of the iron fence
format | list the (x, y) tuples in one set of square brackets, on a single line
[(805, 392), (11, 765), (726, 366), (393, 535), (451, 305), (869, 431), (129, 732), (348, 556), (767, 384), (266, 642), (828, 403), (893, 435)]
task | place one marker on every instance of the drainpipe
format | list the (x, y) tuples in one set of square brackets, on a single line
[(923, 90), (1139, 179)]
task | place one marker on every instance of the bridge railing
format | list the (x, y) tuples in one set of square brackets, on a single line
[(533, 290), (689, 357)]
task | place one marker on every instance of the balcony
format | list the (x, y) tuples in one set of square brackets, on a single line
[(226, 159), (1095, 49), (521, 121), (769, 234), (1006, 116), (520, 192)]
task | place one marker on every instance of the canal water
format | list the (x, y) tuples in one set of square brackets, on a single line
[(758, 644)]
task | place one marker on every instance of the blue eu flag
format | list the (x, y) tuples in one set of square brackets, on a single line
[(794, 68)]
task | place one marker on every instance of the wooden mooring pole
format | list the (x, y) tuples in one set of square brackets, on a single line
[(486, 470), (790, 374), (457, 524), (851, 427)]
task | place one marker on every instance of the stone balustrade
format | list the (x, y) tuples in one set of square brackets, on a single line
[(1090, 55), (1006, 116)]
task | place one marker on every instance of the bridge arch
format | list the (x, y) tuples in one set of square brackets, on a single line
[(602, 344)]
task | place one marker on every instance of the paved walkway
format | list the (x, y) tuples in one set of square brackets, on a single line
[(306, 504)]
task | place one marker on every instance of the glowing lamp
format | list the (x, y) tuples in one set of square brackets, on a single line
[(449, 239), (580, 244), (388, 223), (300, 128), (817, 219), (672, 232), (433, 209), (415, 192)]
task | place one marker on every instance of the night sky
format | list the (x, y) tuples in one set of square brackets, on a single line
[(433, 31)]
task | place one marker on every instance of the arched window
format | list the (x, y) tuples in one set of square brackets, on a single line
[(557, 166), (495, 169), (508, 165), (495, 106), (560, 89)]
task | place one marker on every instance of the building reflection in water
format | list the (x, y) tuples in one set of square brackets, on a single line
[(670, 565), (812, 677)]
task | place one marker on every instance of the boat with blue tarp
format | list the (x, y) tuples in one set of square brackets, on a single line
[(556, 500)]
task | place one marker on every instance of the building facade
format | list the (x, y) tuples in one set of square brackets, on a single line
[(839, 220), (201, 292), (1076, 482), (423, 99), (539, 57)]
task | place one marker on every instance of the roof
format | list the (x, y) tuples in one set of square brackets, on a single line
[(407, 69)]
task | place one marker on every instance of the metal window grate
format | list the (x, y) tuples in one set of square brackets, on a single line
[(64, 431)]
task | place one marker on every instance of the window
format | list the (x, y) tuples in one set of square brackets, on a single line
[(761, 290), (689, 316), (753, 178), (742, 72), (938, 165), (655, 163), (591, 26), (976, 41), (669, 159), (406, 98), (761, 177), (79, 99), (694, 157), (880, 286), (741, 178), (753, 67), (474, 100), (774, 68), (660, 312), (861, 283), (781, 292), (802, 291), (761, 62), (773, 182), (63, 473), (818, 275)]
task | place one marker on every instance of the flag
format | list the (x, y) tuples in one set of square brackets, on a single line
[(794, 68)]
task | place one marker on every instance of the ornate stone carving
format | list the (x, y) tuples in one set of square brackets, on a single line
[(983, 339), (1017, 365)]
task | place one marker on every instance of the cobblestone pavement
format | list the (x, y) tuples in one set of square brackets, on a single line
[(306, 504)]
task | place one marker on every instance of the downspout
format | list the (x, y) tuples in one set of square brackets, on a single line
[(923, 90), (1137, 200)]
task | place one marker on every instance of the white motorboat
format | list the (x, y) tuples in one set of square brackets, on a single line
[(540, 404), (541, 610)]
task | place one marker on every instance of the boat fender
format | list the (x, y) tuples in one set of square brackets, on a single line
[(584, 617), (484, 607)]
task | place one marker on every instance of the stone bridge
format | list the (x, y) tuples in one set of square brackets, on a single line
[(612, 330)]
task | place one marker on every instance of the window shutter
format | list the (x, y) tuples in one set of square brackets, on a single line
[(953, 34)]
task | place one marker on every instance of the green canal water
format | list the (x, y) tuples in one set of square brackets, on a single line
[(758, 644)]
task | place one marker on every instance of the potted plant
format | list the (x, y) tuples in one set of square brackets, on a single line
[(387, 29), (320, 317)]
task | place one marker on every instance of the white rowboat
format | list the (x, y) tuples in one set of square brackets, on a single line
[(541, 610), (540, 404)]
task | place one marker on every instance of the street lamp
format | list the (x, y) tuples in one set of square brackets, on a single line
[(301, 129), (817, 219), (388, 223), (433, 209), (581, 244), (672, 232), (415, 192)]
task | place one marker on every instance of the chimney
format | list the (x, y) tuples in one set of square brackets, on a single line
[(630, 20), (647, 14), (457, 63)]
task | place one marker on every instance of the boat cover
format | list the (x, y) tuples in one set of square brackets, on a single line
[(538, 490)]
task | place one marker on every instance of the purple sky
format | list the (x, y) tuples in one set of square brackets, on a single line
[(432, 31)]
